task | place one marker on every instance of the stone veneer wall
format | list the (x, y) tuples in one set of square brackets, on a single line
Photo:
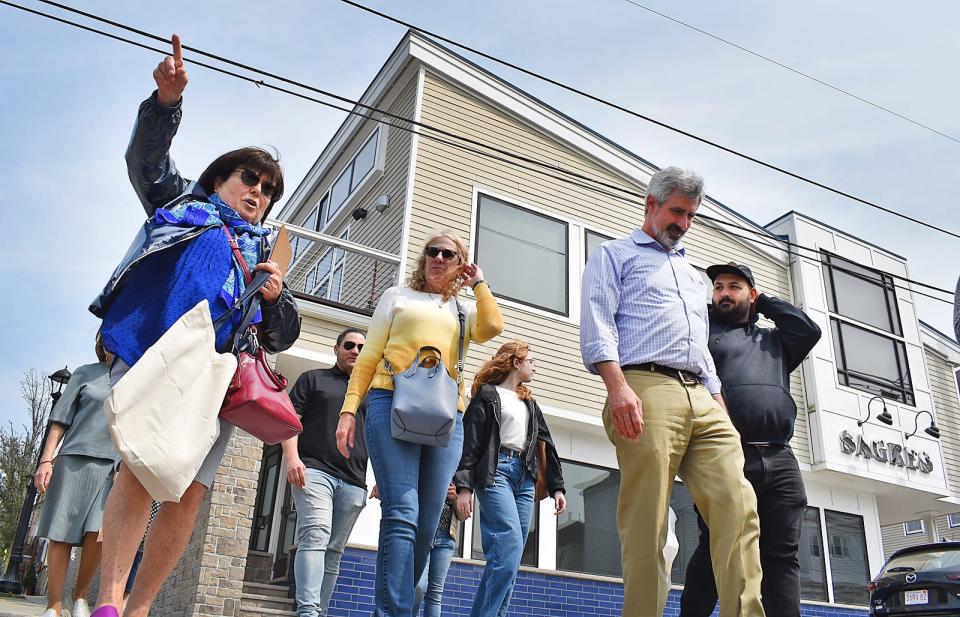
[(208, 579)]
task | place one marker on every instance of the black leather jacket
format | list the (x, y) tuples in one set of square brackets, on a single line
[(754, 365), (158, 184), (481, 443)]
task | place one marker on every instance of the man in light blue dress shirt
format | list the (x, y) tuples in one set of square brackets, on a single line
[(644, 330)]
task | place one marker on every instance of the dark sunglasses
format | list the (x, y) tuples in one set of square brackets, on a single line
[(433, 251), (252, 178), (350, 345)]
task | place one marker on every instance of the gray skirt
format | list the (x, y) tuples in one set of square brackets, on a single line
[(73, 504), (208, 470)]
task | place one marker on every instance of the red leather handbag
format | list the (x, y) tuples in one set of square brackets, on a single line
[(257, 399)]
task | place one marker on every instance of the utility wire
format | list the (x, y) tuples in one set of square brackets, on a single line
[(792, 70), (659, 123), (767, 238)]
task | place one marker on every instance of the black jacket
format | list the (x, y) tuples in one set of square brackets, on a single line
[(159, 185), (481, 443), (754, 365)]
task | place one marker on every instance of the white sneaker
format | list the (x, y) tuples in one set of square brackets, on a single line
[(50, 612), (80, 608)]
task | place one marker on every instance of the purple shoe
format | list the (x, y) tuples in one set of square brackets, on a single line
[(106, 611)]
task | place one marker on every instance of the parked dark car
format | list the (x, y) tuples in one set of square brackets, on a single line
[(921, 581)]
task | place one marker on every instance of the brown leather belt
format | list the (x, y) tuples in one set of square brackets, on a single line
[(685, 377)]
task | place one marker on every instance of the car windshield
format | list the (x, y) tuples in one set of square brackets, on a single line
[(924, 561)]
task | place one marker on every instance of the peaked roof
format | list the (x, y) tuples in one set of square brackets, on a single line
[(514, 101)]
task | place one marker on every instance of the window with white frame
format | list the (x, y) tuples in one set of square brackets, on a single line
[(956, 375), (912, 527), (861, 302), (813, 566), (360, 167), (299, 245), (848, 557), (325, 279), (953, 520), (587, 539), (525, 253), (592, 240)]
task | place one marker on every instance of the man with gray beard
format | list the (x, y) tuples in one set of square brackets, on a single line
[(754, 365), (644, 331)]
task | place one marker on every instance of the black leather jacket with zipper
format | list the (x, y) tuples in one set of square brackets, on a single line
[(159, 185), (481, 443)]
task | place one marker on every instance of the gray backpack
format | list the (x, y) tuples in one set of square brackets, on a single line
[(425, 396)]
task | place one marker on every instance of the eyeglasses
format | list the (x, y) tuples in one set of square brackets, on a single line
[(252, 178), (348, 345), (433, 251)]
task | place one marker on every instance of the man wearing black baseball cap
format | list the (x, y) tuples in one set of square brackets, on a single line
[(754, 366)]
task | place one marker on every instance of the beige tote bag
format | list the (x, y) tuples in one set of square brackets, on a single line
[(163, 412)]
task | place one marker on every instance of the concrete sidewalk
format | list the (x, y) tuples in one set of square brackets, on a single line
[(16, 606)]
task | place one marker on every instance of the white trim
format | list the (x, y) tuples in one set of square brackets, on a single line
[(573, 279), (825, 544), (329, 313), (376, 172), (524, 108), (325, 359), (950, 524), (940, 343), (381, 84), (411, 174), (337, 242), (907, 532)]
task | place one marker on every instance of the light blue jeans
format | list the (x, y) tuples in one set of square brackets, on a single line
[(430, 588), (506, 508), (413, 481), (327, 509)]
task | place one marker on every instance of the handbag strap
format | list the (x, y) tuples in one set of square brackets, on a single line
[(238, 254), (462, 318)]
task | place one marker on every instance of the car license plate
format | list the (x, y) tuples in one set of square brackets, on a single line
[(912, 598)]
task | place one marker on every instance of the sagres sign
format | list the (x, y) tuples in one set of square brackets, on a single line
[(885, 451)]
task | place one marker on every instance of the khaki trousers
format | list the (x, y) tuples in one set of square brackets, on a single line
[(686, 433)]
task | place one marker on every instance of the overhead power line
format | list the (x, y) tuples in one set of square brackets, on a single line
[(792, 70), (646, 118), (598, 186)]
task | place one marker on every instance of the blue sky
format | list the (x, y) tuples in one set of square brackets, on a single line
[(68, 100)]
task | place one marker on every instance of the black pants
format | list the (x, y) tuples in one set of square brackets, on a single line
[(775, 475)]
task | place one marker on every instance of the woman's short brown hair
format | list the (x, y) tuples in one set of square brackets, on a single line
[(252, 158)]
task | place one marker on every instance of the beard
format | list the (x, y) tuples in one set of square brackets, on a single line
[(669, 237), (730, 311)]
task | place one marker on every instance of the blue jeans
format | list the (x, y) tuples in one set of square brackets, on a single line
[(430, 588), (506, 508), (413, 482), (327, 509)]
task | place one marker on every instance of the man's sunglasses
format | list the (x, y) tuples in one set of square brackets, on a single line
[(252, 178), (348, 345), (433, 251)]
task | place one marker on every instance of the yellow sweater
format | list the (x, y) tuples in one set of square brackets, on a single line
[(406, 320)]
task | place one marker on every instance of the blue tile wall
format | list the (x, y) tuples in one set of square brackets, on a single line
[(535, 594)]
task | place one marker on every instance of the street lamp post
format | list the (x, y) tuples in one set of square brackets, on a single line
[(10, 583)]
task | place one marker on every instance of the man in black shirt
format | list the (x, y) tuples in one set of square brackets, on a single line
[(754, 365), (328, 489)]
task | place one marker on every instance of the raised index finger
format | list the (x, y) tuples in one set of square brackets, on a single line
[(177, 51)]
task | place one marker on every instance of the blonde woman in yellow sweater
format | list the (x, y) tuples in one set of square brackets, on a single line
[(412, 478)]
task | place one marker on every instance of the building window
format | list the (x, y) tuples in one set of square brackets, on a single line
[(299, 245), (848, 557), (912, 527), (591, 240), (525, 253), (529, 557), (871, 362), (587, 539), (861, 293), (956, 375), (953, 520), (813, 567), (686, 529), (325, 280), (360, 167)]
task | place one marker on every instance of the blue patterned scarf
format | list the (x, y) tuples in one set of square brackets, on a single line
[(203, 214)]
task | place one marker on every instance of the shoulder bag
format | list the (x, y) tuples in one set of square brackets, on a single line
[(256, 399), (425, 396)]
